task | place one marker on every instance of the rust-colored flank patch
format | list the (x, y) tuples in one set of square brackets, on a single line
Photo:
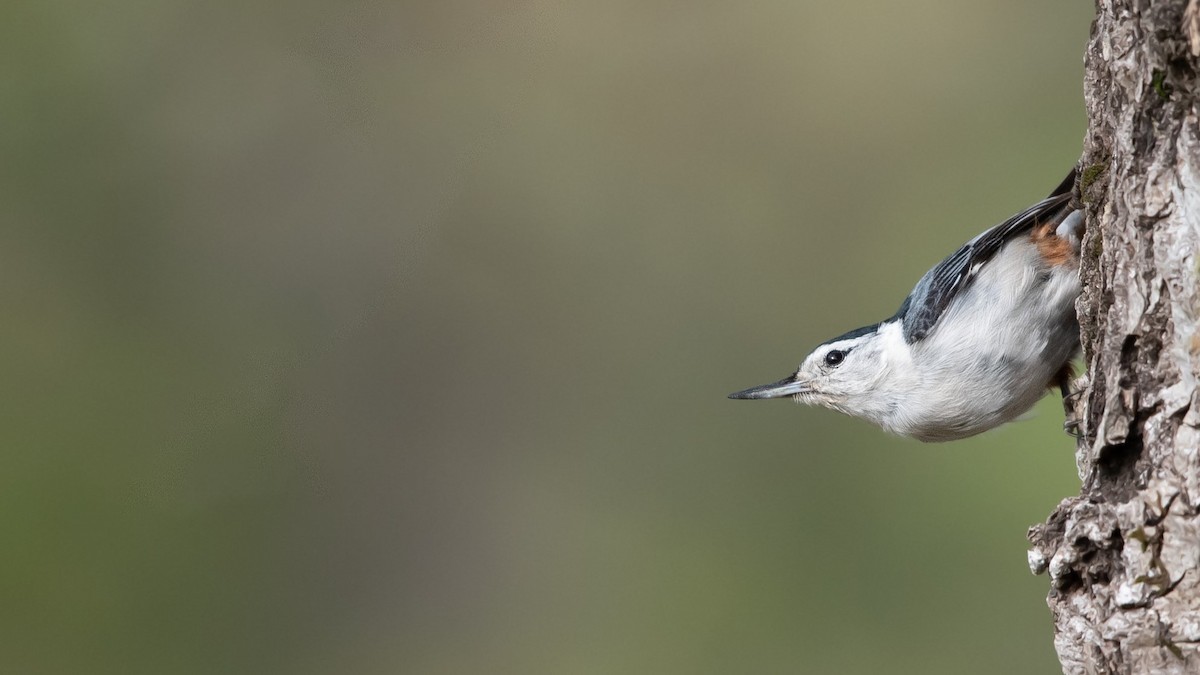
[(1055, 250)]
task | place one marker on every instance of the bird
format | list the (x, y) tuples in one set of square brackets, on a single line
[(980, 339)]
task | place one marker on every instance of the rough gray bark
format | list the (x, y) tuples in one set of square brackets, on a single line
[(1124, 556)]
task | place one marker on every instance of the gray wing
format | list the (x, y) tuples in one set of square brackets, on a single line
[(933, 293)]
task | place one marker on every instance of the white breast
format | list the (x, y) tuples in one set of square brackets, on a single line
[(992, 354)]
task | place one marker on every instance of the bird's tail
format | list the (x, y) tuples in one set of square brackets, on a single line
[(1067, 184)]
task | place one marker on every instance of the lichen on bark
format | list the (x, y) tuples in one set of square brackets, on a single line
[(1124, 556)]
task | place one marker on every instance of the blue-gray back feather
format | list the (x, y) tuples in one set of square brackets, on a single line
[(934, 292)]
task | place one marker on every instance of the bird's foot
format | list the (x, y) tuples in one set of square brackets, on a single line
[(1072, 422)]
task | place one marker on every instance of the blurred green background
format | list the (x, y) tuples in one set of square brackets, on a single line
[(365, 337)]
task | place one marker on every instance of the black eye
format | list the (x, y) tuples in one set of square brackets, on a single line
[(834, 357)]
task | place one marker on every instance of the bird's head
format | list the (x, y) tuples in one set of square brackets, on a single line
[(846, 373)]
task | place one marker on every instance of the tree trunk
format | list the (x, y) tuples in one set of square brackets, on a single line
[(1123, 556)]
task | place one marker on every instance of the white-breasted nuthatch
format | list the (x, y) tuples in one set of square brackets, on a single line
[(980, 339)]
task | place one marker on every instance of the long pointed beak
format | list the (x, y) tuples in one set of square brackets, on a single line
[(788, 386)]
